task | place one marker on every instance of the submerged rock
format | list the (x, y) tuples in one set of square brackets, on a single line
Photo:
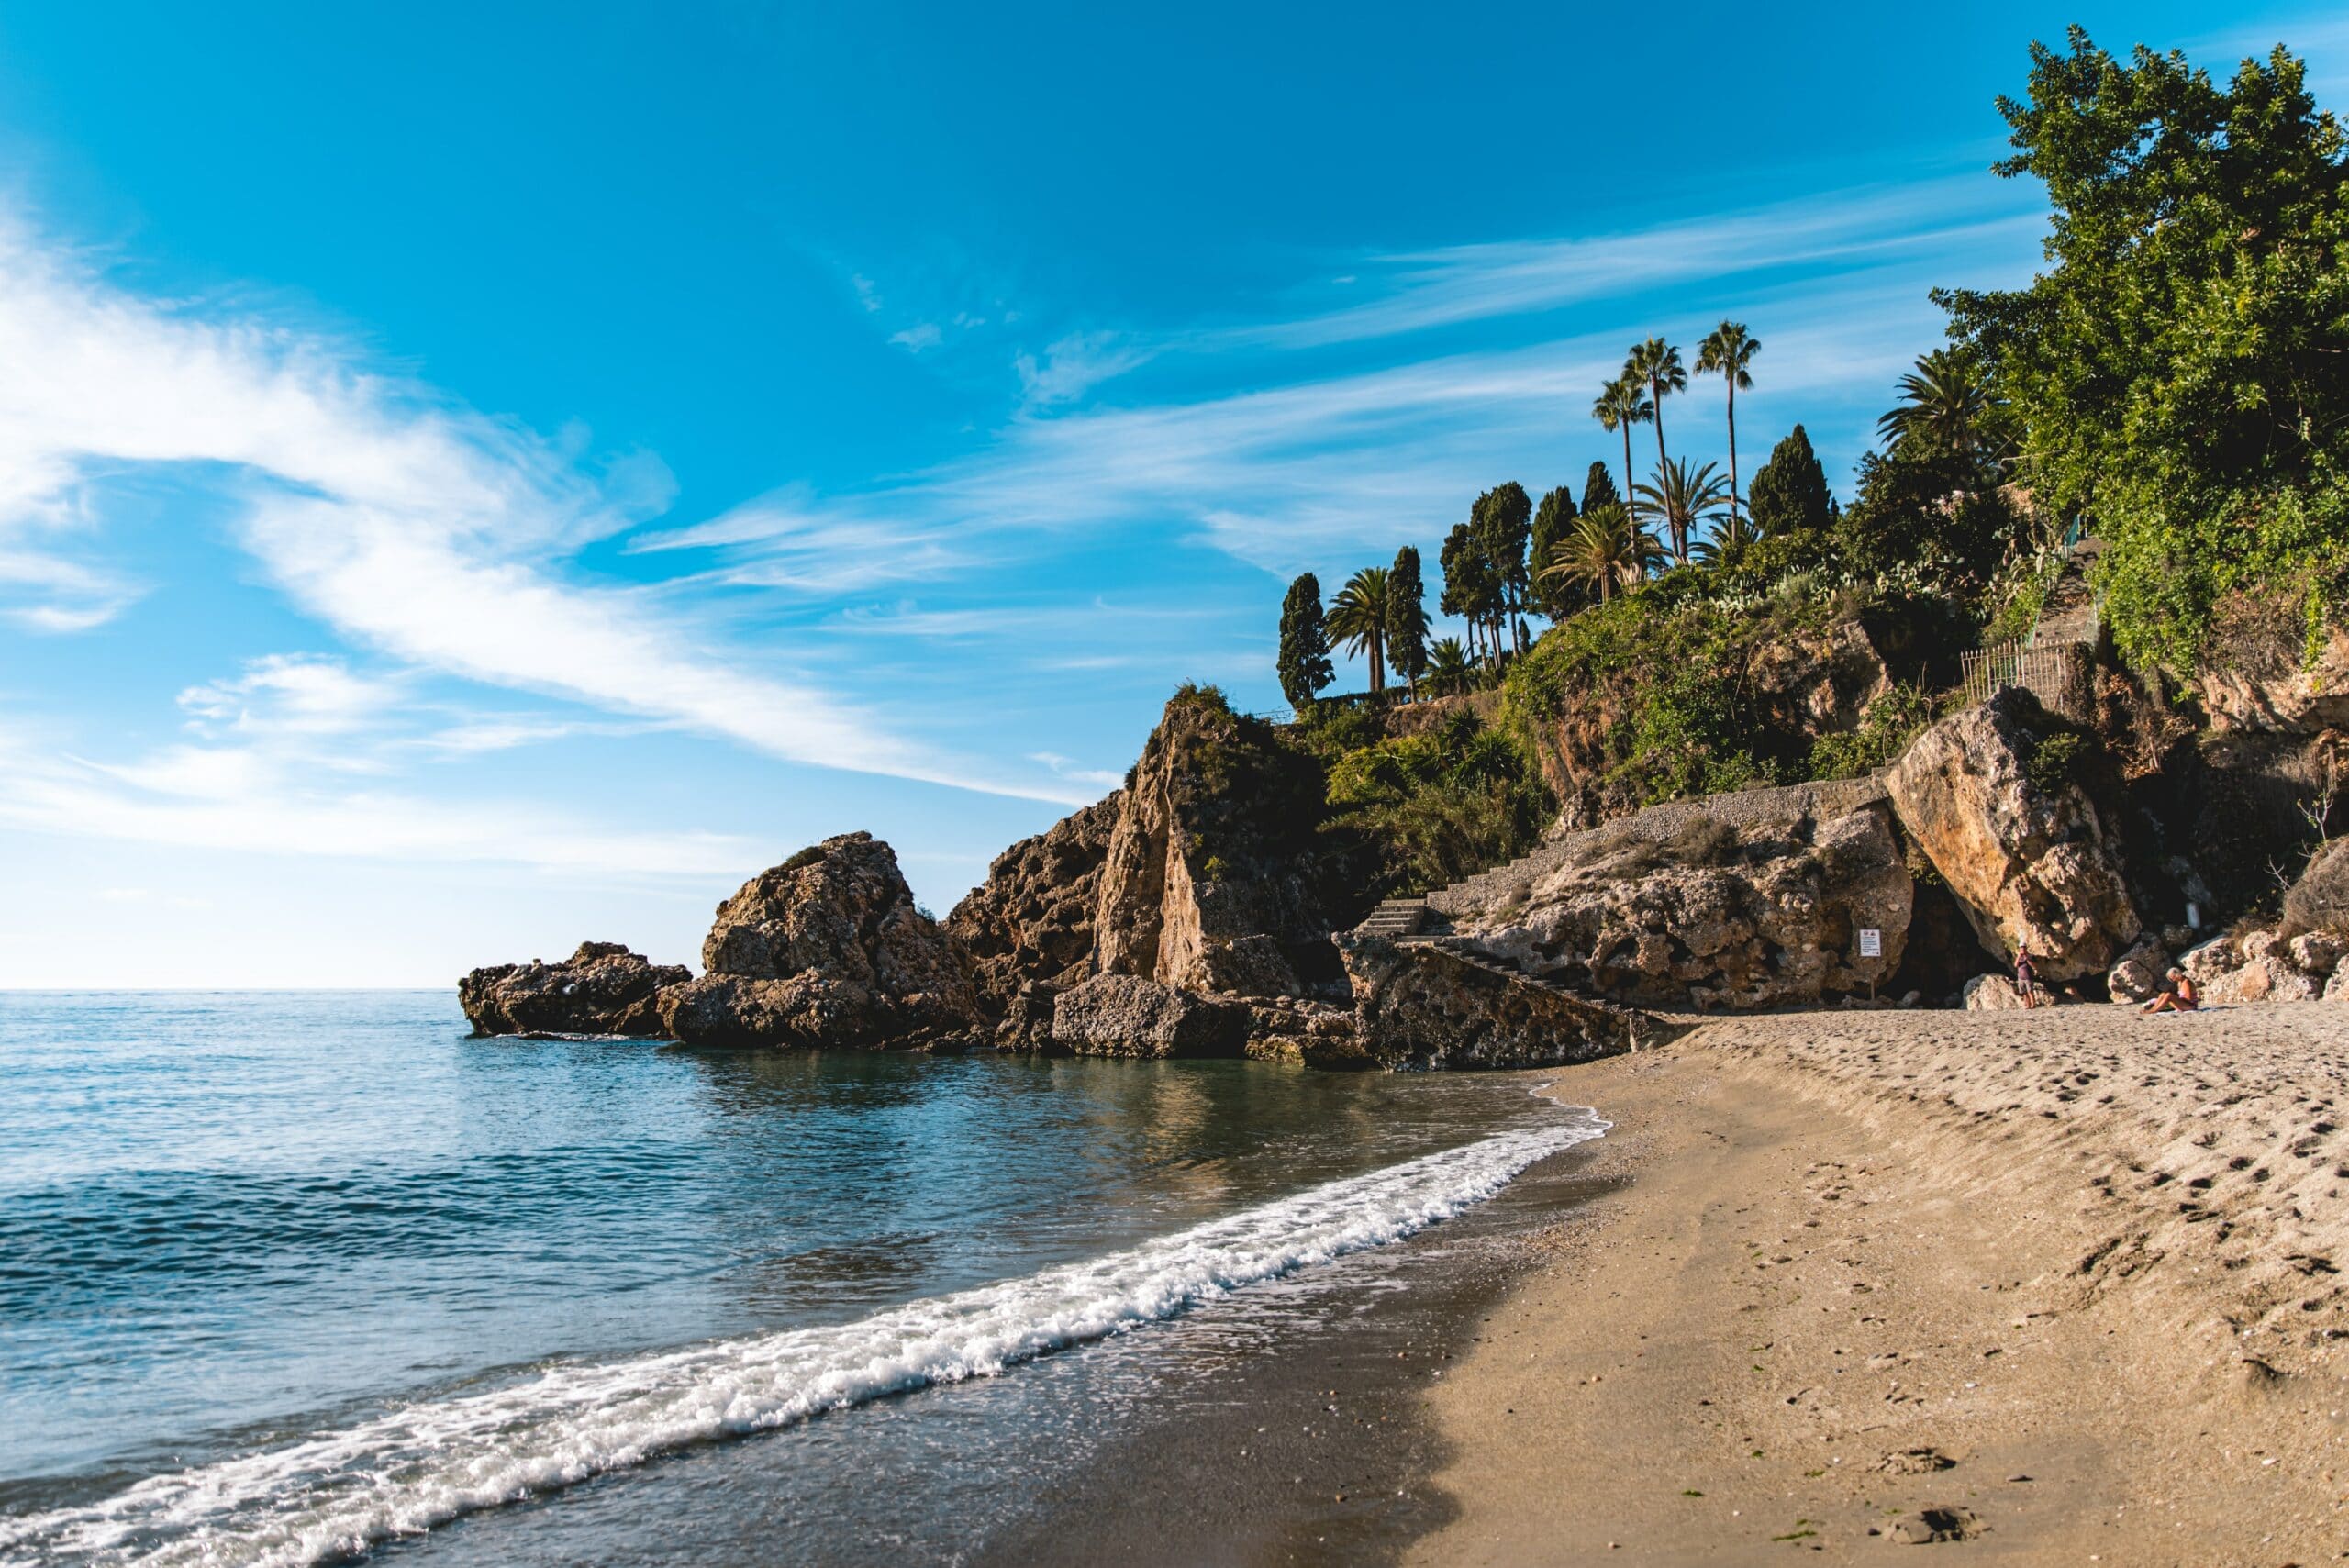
[(1125, 1014), (603, 988), (827, 948), (2025, 850)]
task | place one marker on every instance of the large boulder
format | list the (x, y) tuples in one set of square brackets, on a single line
[(2141, 975), (1125, 1014), (1990, 993), (601, 989), (1753, 900), (2028, 854), (827, 948), (2268, 978), (1420, 1004)]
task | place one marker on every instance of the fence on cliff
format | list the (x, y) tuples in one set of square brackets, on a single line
[(2054, 672)]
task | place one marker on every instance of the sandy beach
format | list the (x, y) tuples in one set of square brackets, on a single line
[(2063, 1285)]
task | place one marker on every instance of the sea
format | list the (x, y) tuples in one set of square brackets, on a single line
[(300, 1277)]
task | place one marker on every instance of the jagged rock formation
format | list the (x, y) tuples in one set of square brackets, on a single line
[(2030, 857), (1421, 1003), (825, 950), (1209, 881), (1125, 1014), (2319, 901), (1755, 899), (603, 988), (1028, 927)]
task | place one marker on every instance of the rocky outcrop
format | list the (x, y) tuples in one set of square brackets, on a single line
[(2276, 688), (601, 989), (2318, 900), (1125, 1014), (1030, 923), (827, 948), (1755, 899), (1209, 881), (2141, 974), (1427, 1004), (2024, 850), (1306, 1032)]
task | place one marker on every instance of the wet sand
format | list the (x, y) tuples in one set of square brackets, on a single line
[(2064, 1285)]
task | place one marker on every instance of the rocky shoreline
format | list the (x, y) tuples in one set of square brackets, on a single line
[(1210, 908)]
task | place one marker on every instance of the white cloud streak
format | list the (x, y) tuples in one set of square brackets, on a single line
[(416, 526)]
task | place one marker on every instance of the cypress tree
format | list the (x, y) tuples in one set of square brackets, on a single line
[(1406, 618), (1598, 489), (1305, 643), (1502, 522), (1789, 492), (1467, 581), (1553, 520)]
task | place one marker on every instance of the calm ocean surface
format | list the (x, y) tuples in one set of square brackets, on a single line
[(287, 1277)]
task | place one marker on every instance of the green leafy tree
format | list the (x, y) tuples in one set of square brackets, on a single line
[(2175, 370), (1608, 552), (1623, 402), (1554, 520), (1657, 364), (1789, 493), (1728, 352), (1406, 617), (1305, 643), (1681, 498), (1359, 617), (1502, 523), (1471, 588)]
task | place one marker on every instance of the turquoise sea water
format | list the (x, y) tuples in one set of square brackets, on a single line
[(288, 1276)]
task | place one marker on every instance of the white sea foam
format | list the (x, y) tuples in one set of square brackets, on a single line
[(337, 1492)]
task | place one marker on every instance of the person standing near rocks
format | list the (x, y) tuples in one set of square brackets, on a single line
[(2026, 975)]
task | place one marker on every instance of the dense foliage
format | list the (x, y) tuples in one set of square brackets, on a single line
[(1438, 803), (2179, 371)]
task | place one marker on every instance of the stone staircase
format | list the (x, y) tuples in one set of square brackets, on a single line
[(1395, 918)]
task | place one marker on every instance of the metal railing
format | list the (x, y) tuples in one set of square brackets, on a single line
[(2046, 670)]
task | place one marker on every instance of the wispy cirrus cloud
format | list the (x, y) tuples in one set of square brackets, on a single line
[(404, 521)]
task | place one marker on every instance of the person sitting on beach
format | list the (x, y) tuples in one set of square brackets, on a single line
[(2026, 976), (2181, 995)]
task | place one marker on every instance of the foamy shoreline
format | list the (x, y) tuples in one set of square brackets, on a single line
[(1872, 1268)]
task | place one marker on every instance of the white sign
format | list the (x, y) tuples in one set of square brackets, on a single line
[(1871, 943)]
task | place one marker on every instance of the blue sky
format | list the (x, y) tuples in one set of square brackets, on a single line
[(476, 478)]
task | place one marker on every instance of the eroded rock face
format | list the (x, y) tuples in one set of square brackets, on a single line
[(2030, 862), (1738, 902), (1125, 1014), (2267, 978), (603, 988), (2286, 695), (2319, 901), (1207, 884), (1424, 1004), (1990, 993), (1030, 923), (825, 950)]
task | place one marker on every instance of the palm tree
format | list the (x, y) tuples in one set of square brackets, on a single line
[(1358, 620), (1726, 353), (1623, 404), (1942, 404), (1449, 668), (1607, 549), (1732, 535), (1657, 362), (1683, 497)]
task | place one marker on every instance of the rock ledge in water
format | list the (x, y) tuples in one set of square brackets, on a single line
[(601, 989)]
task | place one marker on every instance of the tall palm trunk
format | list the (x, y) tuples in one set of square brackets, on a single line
[(1733, 502), (1679, 533), (1628, 480), (1377, 666)]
